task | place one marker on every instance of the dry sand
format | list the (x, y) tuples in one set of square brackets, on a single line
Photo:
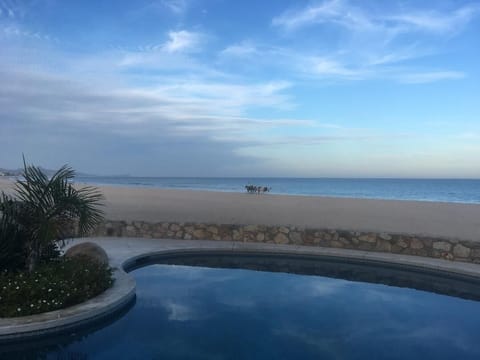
[(460, 221)]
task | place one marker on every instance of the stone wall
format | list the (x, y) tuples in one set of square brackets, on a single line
[(450, 249)]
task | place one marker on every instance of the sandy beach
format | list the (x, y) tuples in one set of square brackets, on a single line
[(457, 221)]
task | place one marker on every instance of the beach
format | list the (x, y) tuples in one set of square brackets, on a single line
[(449, 220)]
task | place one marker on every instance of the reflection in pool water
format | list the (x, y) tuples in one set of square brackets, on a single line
[(214, 313)]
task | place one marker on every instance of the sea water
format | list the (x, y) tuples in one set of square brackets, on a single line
[(441, 190)]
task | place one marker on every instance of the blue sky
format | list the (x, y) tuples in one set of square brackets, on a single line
[(336, 88)]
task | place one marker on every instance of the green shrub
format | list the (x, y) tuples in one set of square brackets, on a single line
[(12, 237), (43, 212), (53, 285)]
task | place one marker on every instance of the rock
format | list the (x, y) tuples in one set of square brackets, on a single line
[(280, 238), (402, 243), (383, 246), (130, 230), (442, 245), (110, 231), (447, 256), (189, 229), (344, 241), (284, 229), (475, 254), (336, 244), (212, 229), (371, 238), (250, 228), (296, 237), (416, 244), (385, 236), (237, 235), (174, 227), (461, 251), (199, 234), (89, 250)]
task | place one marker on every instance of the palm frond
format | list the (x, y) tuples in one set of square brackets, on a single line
[(12, 238), (53, 209)]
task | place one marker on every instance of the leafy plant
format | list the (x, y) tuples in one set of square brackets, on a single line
[(44, 212), (12, 239), (54, 285)]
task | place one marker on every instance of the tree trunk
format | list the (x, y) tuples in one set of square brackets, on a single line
[(32, 259)]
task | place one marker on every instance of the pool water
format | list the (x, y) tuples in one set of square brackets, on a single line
[(187, 312)]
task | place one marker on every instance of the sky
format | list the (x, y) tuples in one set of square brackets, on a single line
[(333, 88)]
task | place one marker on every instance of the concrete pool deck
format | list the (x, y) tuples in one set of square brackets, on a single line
[(125, 253)]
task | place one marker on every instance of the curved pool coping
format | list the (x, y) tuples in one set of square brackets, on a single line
[(129, 253)]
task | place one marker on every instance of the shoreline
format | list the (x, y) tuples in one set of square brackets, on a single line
[(273, 193), (456, 221), (437, 219), (5, 181)]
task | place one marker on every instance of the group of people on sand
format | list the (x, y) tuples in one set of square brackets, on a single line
[(253, 189)]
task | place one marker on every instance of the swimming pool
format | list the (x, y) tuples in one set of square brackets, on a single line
[(221, 306)]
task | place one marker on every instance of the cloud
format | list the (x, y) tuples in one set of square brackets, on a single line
[(176, 6), (175, 106), (178, 42), (328, 11), (17, 31), (365, 41), (239, 50), (159, 96), (9, 9), (185, 126), (182, 41), (328, 67), (431, 76), (436, 22), (342, 13)]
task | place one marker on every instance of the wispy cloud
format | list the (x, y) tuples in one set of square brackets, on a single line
[(176, 6), (194, 109), (9, 9), (430, 76), (242, 49), (434, 21), (347, 64), (182, 82), (352, 17), (328, 11), (13, 30), (182, 41), (368, 40), (330, 67)]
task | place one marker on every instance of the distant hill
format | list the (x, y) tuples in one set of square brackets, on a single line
[(18, 172)]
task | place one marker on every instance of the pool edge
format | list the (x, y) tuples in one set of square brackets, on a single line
[(124, 288)]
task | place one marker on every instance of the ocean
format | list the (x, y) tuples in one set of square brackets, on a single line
[(439, 190)]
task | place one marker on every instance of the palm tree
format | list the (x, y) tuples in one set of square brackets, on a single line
[(49, 210), (12, 251)]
